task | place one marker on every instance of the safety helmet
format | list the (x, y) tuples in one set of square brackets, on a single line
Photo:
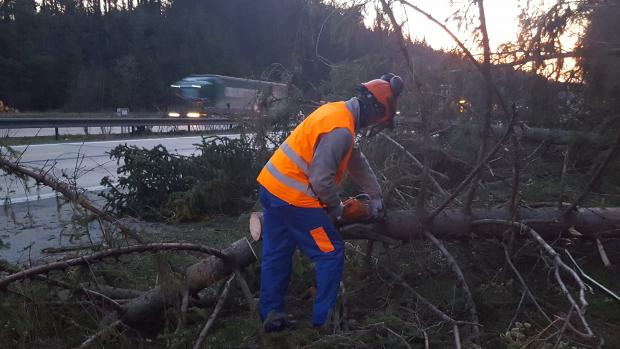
[(384, 92)]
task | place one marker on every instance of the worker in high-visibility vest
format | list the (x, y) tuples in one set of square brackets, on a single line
[(298, 192)]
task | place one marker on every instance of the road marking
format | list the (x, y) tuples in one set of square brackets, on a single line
[(31, 198), (119, 141)]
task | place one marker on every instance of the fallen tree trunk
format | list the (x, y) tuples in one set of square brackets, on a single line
[(401, 225), (140, 311), (554, 136), (524, 132), (547, 221)]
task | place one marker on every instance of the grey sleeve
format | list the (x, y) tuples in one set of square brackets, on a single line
[(329, 151), (362, 174)]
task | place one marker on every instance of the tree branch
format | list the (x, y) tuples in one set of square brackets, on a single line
[(599, 171), (68, 192), (216, 311), (154, 247)]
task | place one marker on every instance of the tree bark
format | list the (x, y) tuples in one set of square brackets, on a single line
[(526, 133), (140, 311), (548, 221)]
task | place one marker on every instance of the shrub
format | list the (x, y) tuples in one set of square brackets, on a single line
[(158, 185)]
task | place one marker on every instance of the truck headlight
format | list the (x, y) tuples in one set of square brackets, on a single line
[(193, 115), (173, 114)]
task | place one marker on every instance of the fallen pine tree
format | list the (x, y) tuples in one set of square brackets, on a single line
[(146, 311), (590, 223)]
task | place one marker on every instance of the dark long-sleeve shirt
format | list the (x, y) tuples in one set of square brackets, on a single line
[(329, 152)]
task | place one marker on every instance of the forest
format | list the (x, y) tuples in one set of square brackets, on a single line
[(500, 180)]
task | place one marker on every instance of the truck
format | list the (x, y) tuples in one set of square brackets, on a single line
[(207, 95)]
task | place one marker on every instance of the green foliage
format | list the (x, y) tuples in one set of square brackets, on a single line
[(158, 185)]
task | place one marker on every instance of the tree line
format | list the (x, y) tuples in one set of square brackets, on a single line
[(96, 55)]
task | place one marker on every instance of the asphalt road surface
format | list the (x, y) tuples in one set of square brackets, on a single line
[(86, 161), (35, 221), (62, 131)]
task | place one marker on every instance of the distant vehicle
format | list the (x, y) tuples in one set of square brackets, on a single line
[(207, 95)]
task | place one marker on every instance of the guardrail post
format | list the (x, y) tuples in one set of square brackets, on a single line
[(189, 128), (56, 133)]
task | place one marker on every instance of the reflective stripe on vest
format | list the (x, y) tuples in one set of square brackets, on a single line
[(289, 181), (286, 174), (295, 158)]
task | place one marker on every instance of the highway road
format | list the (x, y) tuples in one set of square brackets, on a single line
[(86, 161), (35, 221), (62, 131)]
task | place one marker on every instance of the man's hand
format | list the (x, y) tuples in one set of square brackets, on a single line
[(335, 212)]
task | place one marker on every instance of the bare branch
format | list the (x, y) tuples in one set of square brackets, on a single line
[(418, 164), (68, 192), (557, 264), (602, 253), (216, 311), (475, 171), (459, 273), (103, 332), (599, 171), (485, 125), (524, 284), (154, 247)]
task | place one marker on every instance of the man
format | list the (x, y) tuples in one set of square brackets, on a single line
[(298, 192)]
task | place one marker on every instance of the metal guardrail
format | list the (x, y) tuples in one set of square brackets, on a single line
[(13, 123)]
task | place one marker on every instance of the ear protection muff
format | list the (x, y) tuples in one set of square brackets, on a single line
[(396, 84)]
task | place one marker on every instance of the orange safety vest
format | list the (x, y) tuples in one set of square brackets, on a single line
[(286, 174)]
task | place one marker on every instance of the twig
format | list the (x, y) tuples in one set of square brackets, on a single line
[(580, 312), (369, 247), (74, 288), (154, 247), (535, 337), (599, 171), (216, 311), (457, 336), (461, 45), (596, 283), (425, 110), (68, 192), (602, 253), (557, 264), (459, 273), (563, 329), (245, 289), (344, 299), (91, 340), (418, 164), (383, 326), (526, 289), (427, 303), (563, 176), (184, 306), (485, 126), (514, 194), (473, 172)]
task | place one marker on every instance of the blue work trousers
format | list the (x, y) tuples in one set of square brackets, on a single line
[(285, 228)]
